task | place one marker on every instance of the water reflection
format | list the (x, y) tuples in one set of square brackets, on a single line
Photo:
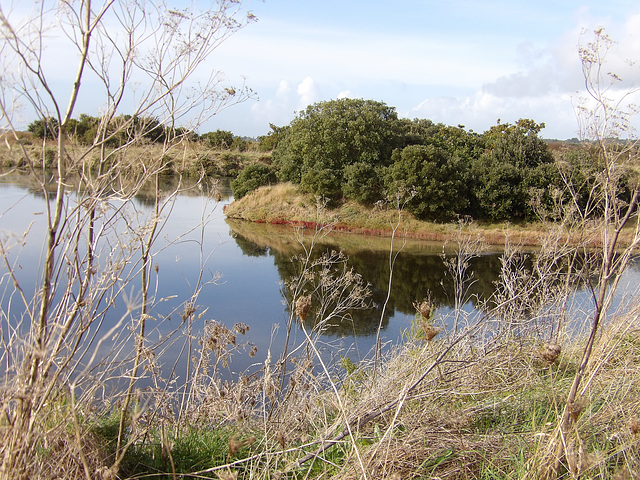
[(418, 271)]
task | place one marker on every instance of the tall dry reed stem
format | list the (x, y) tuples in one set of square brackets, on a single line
[(96, 248)]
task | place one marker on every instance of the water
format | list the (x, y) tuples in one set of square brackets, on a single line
[(244, 270)]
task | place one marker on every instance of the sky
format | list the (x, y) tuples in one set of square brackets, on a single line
[(458, 62)]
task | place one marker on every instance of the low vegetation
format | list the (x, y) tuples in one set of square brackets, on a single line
[(185, 155), (286, 204)]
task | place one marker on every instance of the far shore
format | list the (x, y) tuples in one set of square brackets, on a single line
[(284, 204)]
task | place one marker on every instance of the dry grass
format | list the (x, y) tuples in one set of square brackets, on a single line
[(484, 414), (452, 407), (182, 158)]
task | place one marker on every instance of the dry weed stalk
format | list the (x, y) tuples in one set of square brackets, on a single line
[(608, 212), (97, 248)]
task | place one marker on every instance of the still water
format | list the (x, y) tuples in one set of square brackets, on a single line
[(245, 267)]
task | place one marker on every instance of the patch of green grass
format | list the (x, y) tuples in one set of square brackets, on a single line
[(196, 448)]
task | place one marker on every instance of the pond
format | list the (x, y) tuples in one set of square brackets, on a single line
[(236, 272)]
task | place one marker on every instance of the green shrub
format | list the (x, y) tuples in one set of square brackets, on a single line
[(253, 176), (362, 183)]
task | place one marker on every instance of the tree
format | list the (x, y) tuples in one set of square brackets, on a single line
[(144, 57), (329, 136), (516, 160), (269, 142), (363, 182), (219, 139), (435, 178), (251, 177), (45, 128)]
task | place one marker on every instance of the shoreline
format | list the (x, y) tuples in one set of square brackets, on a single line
[(283, 204)]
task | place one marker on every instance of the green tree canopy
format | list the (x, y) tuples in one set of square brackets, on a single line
[(269, 142), (329, 136), (515, 162), (44, 128), (219, 139), (433, 180), (252, 176)]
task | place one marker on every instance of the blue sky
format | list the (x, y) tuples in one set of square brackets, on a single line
[(457, 62)]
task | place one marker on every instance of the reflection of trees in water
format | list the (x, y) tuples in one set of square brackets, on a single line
[(189, 187), (414, 277), (249, 248), (146, 195), (417, 275), (360, 322)]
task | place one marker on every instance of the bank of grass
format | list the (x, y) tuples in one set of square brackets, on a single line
[(285, 204), (480, 413)]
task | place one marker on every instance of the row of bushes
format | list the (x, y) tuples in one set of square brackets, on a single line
[(86, 130), (361, 150)]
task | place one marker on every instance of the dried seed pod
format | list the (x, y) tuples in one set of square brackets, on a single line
[(430, 332), (425, 309), (303, 305), (575, 409), (234, 446), (550, 352)]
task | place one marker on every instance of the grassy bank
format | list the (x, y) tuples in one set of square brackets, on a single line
[(285, 204), (188, 158)]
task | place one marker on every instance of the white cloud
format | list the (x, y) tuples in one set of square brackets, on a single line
[(481, 110), (308, 93), (284, 89)]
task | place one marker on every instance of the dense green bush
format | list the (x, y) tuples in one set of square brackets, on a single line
[(252, 176), (44, 128), (430, 180), (332, 135), (359, 149), (516, 160), (363, 183), (269, 142), (219, 139), (322, 182)]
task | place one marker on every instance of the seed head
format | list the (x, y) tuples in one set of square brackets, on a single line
[(303, 305), (234, 446), (550, 352), (430, 332), (424, 308), (575, 409)]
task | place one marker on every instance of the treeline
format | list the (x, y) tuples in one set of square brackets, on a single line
[(354, 149), (156, 147), (88, 130), (360, 150)]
